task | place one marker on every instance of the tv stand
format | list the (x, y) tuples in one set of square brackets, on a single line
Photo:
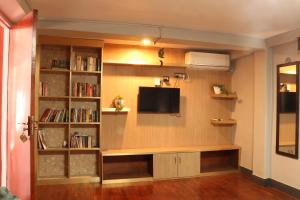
[(148, 164)]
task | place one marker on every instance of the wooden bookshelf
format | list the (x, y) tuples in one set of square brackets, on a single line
[(57, 164)]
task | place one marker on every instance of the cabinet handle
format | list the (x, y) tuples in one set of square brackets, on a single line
[(175, 159)]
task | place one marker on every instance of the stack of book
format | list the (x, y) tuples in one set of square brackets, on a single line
[(41, 140), (43, 89), (84, 89), (51, 115), (84, 115), (87, 64), (81, 141)]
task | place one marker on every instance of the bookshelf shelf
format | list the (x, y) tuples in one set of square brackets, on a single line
[(68, 165), (53, 150), (85, 149), (53, 123), (86, 72), (55, 98), (54, 71), (73, 98), (85, 123)]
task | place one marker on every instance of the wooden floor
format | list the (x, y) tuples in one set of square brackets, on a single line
[(222, 187)]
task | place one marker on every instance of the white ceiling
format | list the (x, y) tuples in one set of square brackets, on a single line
[(255, 18)]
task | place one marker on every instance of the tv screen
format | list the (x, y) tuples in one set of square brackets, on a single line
[(158, 100), (288, 102)]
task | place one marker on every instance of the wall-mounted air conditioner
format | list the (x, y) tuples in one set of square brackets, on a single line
[(200, 60)]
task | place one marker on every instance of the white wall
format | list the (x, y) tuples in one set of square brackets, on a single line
[(243, 84), (285, 170)]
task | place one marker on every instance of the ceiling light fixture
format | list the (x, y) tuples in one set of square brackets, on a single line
[(146, 42)]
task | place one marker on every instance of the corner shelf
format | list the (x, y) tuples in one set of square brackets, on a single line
[(113, 110), (232, 96), (223, 122)]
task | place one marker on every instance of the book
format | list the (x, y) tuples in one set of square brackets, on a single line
[(84, 89), (78, 63), (41, 140), (51, 115), (84, 115), (43, 89), (80, 141), (45, 115)]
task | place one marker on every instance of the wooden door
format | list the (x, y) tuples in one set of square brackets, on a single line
[(188, 164), (165, 165), (20, 94)]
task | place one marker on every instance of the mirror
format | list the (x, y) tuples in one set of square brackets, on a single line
[(287, 109)]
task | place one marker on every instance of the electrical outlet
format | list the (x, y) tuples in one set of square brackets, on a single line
[(166, 78), (180, 75)]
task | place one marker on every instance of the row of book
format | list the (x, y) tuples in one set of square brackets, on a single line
[(43, 89), (80, 141), (53, 115), (84, 89), (84, 115), (87, 64), (41, 140)]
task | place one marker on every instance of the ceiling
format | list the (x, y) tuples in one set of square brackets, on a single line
[(255, 18)]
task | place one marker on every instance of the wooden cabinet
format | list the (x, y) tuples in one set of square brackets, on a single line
[(188, 164), (165, 165), (172, 165)]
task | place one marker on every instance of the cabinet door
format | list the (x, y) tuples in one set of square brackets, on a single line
[(165, 165), (188, 164)]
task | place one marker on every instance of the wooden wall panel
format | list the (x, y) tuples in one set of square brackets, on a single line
[(191, 128), (140, 55)]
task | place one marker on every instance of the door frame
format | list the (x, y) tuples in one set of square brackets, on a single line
[(3, 102), (33, 107), (4, 22)]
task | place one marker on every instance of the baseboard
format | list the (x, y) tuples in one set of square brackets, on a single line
[(271, 183), (285, 188)]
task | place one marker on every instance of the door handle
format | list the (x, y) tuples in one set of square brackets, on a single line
[(31, 127)]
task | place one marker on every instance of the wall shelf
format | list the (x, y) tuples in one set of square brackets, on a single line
[(113, 110), (223, 122), (225, 96)]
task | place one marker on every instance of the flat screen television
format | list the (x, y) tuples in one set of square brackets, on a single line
[(158, 100), (288, 102)]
